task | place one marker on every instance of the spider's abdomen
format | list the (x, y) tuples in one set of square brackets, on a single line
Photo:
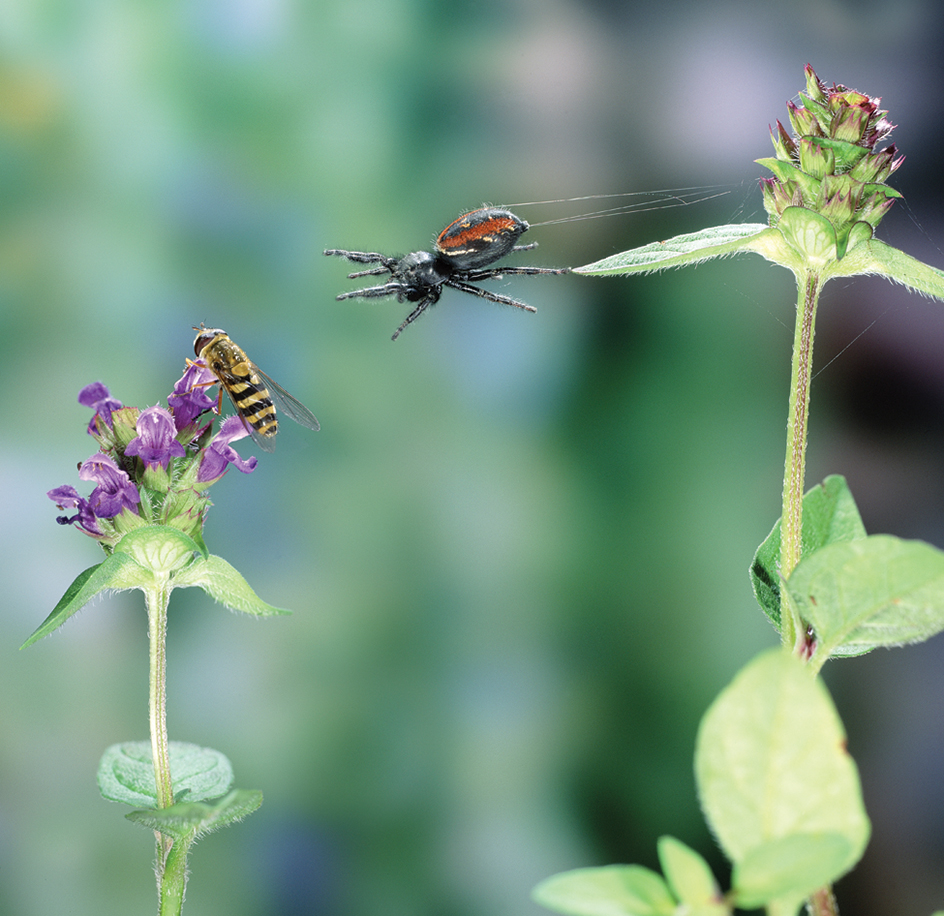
[(479, 238)]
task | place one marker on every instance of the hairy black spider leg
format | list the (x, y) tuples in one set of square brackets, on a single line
[(421, 307), (464, 287), (373, 292)]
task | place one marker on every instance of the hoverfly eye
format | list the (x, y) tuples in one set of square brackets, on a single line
[(202, 341)]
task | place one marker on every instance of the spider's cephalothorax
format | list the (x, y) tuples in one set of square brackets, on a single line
[(460, 257)]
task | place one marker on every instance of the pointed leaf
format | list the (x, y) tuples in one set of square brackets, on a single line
[(688, 874), (792, 867), (116, 572), (614, 890), (878, 591), (126, 773), (189, 820), (224, 583), (829, 515), (771, 762), (683, 249), (876, 257)]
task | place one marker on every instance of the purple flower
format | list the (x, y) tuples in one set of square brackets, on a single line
[(67, 497), (100, 400), (189, 398), (114, 492), (155, 443), (219, 453)]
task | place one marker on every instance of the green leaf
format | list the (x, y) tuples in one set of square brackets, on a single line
[(876, 257), (688, 874), (683, 249), (809, 234), (614, 890), (163, 549), (189, 820), (771, 763), (878, 591), (116, 572), (792, 867), (126, 773), (830, 515), (224, 583)]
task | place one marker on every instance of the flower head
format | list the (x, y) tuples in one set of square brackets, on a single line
[(830, 165), (154, 465)]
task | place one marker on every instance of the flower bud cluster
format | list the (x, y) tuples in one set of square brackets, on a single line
[(152, 466), (831, 164)]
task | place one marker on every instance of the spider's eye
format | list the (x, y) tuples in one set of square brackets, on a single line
[(480, 238)]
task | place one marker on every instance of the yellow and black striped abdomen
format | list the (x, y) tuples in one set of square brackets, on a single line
[(249, 393)]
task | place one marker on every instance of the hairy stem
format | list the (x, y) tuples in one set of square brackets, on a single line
[(157, 598), (792, 629)]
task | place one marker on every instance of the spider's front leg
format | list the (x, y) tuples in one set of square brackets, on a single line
[(393, 288), (366, 257)]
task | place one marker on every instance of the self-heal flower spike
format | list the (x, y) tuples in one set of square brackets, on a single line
[(832, 167)]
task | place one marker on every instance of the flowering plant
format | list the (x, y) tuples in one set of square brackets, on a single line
[(147, 508), (777, 785)]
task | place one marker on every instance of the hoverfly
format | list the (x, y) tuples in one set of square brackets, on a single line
[(254, 395)]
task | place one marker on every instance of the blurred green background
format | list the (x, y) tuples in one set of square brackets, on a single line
[(517, 551)]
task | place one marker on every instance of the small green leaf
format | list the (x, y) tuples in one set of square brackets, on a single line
[(878, 591), (829, 515), (614, 890), (162, 549), (683, 249), (224, 583), (688, 874), (771, 762), (190, 820), (116, 572), (792, 867), (810, 234), (126, 773)]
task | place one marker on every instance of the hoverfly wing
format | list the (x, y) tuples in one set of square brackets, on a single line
[(289, 405)]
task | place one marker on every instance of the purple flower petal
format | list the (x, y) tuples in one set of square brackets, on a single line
[(114, 492), (155, 443), (100, 400), (189, 398), (67, 497), (219, 454)]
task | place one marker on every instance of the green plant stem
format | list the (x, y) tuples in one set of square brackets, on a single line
[(157, 599), (792, 628), (171, 861), (174, 879)]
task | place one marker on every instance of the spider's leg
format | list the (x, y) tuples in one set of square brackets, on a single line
[(363, 257), (421, 306), (373, 272), (488, 294), (373, 292), (496, 273)]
